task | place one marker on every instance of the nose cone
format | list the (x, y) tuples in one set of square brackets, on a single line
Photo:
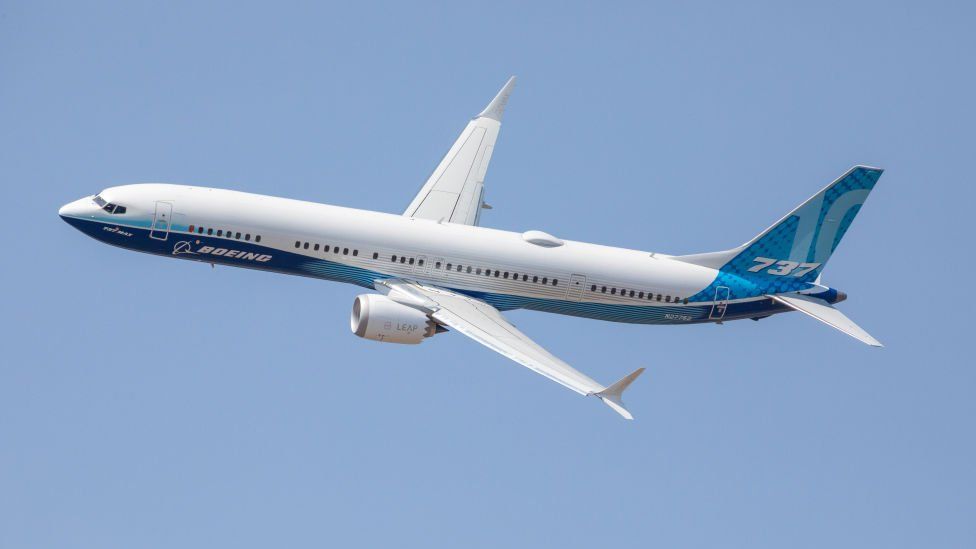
[(77, 209)]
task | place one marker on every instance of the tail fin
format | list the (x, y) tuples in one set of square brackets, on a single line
[(795, 249)]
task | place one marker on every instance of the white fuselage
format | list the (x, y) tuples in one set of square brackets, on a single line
[(508, 269)]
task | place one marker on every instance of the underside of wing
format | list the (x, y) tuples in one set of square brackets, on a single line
[(486, 325), (455, 191)]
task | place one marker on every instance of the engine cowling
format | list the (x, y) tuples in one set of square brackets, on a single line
[(379, 318)]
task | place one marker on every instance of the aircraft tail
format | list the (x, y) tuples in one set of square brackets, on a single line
[(792, 253)]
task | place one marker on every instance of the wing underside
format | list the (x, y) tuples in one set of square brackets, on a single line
[(486, 325)]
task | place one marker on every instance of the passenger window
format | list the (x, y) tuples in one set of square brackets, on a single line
[(437, 265), (667, 298), (556, 282), (459, 268), (220, 232), (316, 247), (403, 259), (640, 295), (685, 301), (535, 279), (659, 297), (257, 238), (248, 237), (298, 244), (469, 269), (448, 266), (237, 236), (497, 273), (356, 252), (209, 232), (191, 228), (376, 255), (525, 277), (477, 271), (613, 291), (411, 261), (505, 275), (545, 280), (345, 251), (603, 289), (420, 263), (199, 230), (335, 250), (632, 293), (305, 245), (593, 288)]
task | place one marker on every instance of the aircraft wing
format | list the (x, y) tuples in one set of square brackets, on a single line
[(455, 191), (486, 325)]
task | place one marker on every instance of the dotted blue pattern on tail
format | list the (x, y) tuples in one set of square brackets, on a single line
[(800, 244)]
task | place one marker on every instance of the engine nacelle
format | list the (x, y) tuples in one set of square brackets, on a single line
[(379, 318)]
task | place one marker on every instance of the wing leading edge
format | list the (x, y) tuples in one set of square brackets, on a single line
[(455, 191), (486, 325)]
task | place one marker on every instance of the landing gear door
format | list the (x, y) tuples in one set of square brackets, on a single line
[(162, 221), (721, 303)]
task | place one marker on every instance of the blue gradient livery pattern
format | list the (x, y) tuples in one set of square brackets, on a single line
[(809, 234)]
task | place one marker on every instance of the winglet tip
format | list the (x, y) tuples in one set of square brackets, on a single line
[(611, 395), (496, 108)]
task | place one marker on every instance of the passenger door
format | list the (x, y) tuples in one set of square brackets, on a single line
[(721, 303), (161, 220)]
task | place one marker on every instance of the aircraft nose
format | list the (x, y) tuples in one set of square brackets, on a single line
[(77, 208)]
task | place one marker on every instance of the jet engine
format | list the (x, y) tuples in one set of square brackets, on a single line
[(379, 318)]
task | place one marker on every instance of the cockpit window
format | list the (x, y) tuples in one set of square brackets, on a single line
[(108, 206)]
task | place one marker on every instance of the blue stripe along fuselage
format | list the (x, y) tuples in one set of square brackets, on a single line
[(256, 256)]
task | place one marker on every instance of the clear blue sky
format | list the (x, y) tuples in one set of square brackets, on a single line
[(146, 402)]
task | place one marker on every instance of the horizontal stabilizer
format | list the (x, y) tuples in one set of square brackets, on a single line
[(824, 312), (611, 395)]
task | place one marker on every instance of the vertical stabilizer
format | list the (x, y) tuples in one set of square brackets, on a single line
[(792, 253)]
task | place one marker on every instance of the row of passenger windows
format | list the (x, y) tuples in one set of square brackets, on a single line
[(326, 248), (639, 295), (209, 231), (496, 273)]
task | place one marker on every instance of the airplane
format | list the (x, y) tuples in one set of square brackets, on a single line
[(434, 268)]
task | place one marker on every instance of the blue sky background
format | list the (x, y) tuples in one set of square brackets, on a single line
[(154, 403)]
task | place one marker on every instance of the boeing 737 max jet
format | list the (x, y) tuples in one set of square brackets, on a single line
[(436, 269)]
